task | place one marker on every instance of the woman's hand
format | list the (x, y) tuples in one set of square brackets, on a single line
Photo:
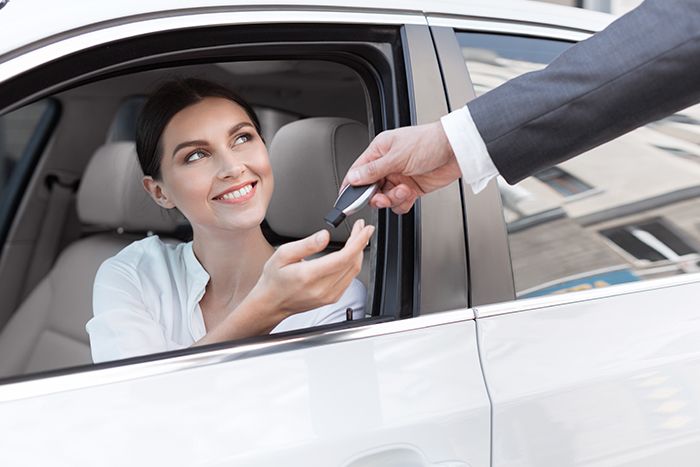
[(291, 285)]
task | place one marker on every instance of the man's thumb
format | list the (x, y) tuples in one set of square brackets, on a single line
[(294, 252), (370, 172)]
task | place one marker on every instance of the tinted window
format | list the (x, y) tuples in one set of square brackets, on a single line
[(17, 130), (626, 211)]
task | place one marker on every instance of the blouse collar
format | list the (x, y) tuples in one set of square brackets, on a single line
[(197, 276), (196, 279)]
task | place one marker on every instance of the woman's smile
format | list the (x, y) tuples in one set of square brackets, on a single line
[(237, 194), (218, 173)]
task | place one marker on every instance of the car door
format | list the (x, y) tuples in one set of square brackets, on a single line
[(587, 314), (402, 388)]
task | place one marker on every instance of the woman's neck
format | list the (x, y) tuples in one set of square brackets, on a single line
[(234, 262)]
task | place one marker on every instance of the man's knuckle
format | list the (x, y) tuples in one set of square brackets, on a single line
[(372, 168)]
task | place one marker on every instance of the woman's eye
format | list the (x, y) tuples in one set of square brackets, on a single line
[(244, 138), (194, 156)]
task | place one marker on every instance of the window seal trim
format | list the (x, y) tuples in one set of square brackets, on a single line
[(501, 27)]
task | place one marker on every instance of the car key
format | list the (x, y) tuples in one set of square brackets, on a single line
[(350, 200)]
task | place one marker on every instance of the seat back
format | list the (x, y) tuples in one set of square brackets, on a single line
[(48, 329), (309, 159)]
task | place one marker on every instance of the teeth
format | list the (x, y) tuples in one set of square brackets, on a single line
[(238, 193)]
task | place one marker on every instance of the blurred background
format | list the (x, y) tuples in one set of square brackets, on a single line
[(616, 7)]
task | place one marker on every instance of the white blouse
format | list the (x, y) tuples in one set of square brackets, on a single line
[(146, 300)]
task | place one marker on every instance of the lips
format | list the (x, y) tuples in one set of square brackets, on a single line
[(237, 193)]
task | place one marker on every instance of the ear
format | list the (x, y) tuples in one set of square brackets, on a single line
[(157, 192)]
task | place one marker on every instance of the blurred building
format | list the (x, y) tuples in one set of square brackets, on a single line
[(616, 7), (628, 210)]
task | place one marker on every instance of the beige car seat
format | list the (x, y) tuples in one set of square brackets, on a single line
[(309, 159), (48, 329)]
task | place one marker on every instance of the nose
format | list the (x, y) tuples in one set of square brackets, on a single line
[(230, 166)]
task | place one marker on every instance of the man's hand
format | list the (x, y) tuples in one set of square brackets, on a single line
[(408, 162)]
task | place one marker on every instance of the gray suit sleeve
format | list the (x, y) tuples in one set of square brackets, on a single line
[(642, 67)]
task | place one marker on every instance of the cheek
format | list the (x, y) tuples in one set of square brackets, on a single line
[(188, 188), (264, 171)]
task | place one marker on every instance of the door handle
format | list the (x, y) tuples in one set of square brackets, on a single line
[(398, 456)]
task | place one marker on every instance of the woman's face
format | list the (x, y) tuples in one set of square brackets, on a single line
[(215, 168)]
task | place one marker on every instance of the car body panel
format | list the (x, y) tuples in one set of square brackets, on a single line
[(601, 378), (331, 404)]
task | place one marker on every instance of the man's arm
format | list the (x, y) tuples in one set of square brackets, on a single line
[(642, 67)]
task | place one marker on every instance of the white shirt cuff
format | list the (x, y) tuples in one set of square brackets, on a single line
[(472, 156)]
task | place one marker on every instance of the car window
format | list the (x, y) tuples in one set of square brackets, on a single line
[(333, 104), (626, 211)]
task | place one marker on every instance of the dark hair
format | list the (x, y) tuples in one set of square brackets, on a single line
[(161, 106)]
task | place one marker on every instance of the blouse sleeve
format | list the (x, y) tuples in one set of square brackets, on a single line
[(122, 326)]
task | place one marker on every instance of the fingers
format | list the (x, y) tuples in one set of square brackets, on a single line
[(370, 172), (399, 198), (343, 258), (403, 208), (344, 278), (374, 163), (294, 252)]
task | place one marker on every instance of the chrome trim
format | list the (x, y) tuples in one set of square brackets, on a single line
[(511, 28), (62, 48), (85, 377), (528, 304)]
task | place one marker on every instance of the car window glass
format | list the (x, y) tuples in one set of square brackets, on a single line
[(17, 129), (626, 211)]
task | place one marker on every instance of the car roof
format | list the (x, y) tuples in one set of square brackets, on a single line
[(29, 22)]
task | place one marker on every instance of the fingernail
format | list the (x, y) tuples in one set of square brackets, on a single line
[(362, 223), (320, 237), (354, 176), (401, 193)]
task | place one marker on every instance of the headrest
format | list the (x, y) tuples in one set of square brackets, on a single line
[(123, 127), (111, 194), (310, 158)]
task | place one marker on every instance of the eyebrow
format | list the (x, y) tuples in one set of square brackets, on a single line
[(201, 142)]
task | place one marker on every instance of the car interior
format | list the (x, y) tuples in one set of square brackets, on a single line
[(84, 201)]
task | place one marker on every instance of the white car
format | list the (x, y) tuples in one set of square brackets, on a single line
[(552, 323)]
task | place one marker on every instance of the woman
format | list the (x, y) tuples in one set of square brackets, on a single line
[(201, 151)]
